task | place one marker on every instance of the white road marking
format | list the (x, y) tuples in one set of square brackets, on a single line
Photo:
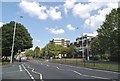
[(58, 68), (28, 73), (20, 68), (40, 75), (89, 75), (91, 69), (80, 73), (47, 65), (77, 72)]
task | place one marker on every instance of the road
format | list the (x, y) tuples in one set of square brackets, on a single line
[(14, 71), (44, 70)]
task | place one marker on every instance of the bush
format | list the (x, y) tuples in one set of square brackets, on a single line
[(106, 56), (96, 57)]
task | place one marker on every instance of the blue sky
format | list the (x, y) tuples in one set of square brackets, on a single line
[(47, 20)]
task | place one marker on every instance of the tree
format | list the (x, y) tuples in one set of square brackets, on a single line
[(52, 50), (23, 40), (64, 51), (108, 34), (96, 47), (72, 51), (36, 52), (29, 52)]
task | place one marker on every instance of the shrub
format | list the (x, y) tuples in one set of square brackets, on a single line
[(106, 56), (96, 57)]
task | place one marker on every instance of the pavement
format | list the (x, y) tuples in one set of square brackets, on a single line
[(37, 70), (14, 71)]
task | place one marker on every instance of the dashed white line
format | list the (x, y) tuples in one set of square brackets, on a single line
[(89, 75), (91, 69), (57, 67), (20, 67), (47, 65), (77, 72)]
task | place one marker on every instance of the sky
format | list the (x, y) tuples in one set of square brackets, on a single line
[(47, 20)]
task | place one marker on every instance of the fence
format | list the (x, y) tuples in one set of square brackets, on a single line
[(91, 64)]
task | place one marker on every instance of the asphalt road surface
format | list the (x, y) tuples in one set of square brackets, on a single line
[(42, 71)]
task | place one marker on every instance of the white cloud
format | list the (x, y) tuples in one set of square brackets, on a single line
[(38, 40), (94, 21), (1, 24), (37, 10), (112, 5), (70, 27), (54, 13), (81, 10), (55, 30), (103, 0), (68, 5), (84, 10), (34, 9)]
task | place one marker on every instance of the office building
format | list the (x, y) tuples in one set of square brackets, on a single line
[(61, 41)]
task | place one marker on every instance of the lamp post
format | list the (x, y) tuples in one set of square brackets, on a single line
[(12, 51), (82, 46), (11, 60)]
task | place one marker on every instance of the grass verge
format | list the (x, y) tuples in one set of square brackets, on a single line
[(5, 63), (78, 62)]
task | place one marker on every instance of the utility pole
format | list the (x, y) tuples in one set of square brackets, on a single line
[(12, 51), (11, 60)]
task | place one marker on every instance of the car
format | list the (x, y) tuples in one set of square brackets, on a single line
[(30, 58), (23, 58)]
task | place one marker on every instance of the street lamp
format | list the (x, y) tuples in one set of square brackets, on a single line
[(11, 60)]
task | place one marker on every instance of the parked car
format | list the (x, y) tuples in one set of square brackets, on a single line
[(30, 58), (23, 58)]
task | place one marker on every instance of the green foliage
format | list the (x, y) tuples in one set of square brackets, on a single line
[(36, 52), (23, 39), (72, 51), (42, 52), (64, 50), (106, 57), (29, 52), (52, 50), (108, 36), (95, 46), (108, 33), (96, 57)]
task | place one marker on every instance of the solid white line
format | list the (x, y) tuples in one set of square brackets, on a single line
[(20, 68), (28, 72)]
